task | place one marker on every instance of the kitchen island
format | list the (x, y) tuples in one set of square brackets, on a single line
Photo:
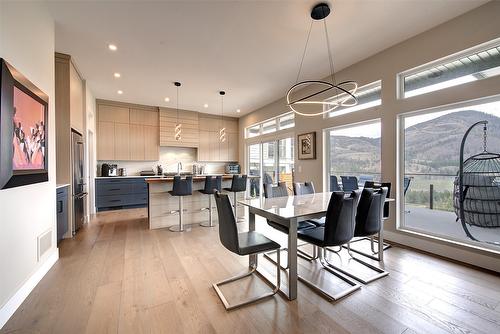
[(161, 203)]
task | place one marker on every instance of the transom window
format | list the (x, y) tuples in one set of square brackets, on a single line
[(368, 96), (474, 64), (282, 122)]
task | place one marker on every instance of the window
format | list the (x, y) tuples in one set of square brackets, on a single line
[(269, 127), (354, 150), (430, 162), (282, 122), (470, 65), (368, 96)]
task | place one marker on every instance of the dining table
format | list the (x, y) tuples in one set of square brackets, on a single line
[(288, 211)]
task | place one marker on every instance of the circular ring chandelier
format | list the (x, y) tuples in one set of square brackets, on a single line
[(344, 91)]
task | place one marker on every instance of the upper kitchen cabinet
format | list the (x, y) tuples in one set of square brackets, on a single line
[(127, 132), (211, 148), (169, 118)]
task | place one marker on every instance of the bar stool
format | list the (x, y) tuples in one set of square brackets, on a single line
[(181, 188), (212, 185), (238, 184)]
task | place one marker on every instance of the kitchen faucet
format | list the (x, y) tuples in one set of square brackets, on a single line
[(179, 168)]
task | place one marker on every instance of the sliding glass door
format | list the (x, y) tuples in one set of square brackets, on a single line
[(273, 161)]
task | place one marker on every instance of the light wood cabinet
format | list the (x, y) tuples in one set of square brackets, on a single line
[(151, 148), (122, 144), (190, 135), (106, 141), (127, 133), (210, 148)]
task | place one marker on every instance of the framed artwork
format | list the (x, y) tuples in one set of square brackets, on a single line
[(307, 146), (23, 130)]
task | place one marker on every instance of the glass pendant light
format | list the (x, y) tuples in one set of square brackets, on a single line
[(178, 126), (222, 131)]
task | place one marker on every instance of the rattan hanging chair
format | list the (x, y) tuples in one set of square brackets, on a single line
[(477, 188)]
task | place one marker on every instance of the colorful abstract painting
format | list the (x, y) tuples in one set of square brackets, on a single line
[(29, 132)]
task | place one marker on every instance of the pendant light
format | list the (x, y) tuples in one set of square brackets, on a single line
[(344, 91), (178, 126), (222, 131)]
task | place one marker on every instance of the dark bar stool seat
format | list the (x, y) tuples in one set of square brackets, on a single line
[(212, 185), (181, 188), (247, 243), (238, 184)]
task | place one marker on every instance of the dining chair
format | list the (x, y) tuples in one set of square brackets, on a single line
[(338, 230), (334, 183), (369, 223), (281, 190), (246, 243), (307, 188), (374, 249), (349, 183)]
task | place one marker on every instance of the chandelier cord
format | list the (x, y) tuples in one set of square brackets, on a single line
[(330, 59), (304, 53), (177, 104)]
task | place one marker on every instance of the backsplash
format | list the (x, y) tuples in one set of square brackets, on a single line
[(169, 157)]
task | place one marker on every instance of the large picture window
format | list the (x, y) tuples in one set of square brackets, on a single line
[(354, 150), (431, 143)]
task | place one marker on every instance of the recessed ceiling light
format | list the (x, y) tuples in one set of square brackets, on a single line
[(238, 110), (112, 47), (167, 99), (205, 105), (117, 75), (120, 92)]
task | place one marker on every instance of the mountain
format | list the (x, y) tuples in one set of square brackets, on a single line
[(430, 147)]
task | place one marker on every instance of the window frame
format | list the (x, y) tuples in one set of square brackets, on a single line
[(400, 77), (276, 119), (368, 86)]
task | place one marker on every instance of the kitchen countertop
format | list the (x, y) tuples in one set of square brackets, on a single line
[(62, 185), (160, 178)]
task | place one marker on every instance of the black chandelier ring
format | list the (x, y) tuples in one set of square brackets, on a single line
[(349, 100)]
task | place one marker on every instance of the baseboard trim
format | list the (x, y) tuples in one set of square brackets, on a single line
[(469, 257), (15, 301)]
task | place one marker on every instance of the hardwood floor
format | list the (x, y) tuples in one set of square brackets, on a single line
[(117, 276)]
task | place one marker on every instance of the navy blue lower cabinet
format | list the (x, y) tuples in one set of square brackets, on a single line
[(62, 212), (120, 193)]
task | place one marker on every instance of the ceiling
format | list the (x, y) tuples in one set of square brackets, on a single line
[(250, 49)]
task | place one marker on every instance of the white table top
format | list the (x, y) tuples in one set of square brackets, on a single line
[(293, 206)]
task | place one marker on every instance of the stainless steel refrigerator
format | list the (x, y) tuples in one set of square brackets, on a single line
[(79, 185)]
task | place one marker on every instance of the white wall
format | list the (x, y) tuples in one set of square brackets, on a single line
[(27, 42), (475, 27)]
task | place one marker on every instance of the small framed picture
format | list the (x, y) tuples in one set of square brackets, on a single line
[(307, 146)]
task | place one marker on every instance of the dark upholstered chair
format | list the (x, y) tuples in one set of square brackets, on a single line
[(281, 190), (305, 189), (369, 223), (181, 188), (334, 183), (375, 185), (349, 183), (247, 243), (338, 230), (212, 184), (238, 184)]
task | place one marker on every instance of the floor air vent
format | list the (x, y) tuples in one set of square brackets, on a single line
[(44, 243)]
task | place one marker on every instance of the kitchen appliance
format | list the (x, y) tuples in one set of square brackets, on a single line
[(233, 169), (122, 171), (159, 170), (147, 173), (198, 169), (78, 182), (109, 170)]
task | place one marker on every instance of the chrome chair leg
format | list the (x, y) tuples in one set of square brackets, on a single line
[(180, 227), (210, 219), (331, 297), (253, 269), (300, 253), (380, 272), (373, 249)]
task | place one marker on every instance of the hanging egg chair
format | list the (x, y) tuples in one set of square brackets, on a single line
[(476, 196)]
